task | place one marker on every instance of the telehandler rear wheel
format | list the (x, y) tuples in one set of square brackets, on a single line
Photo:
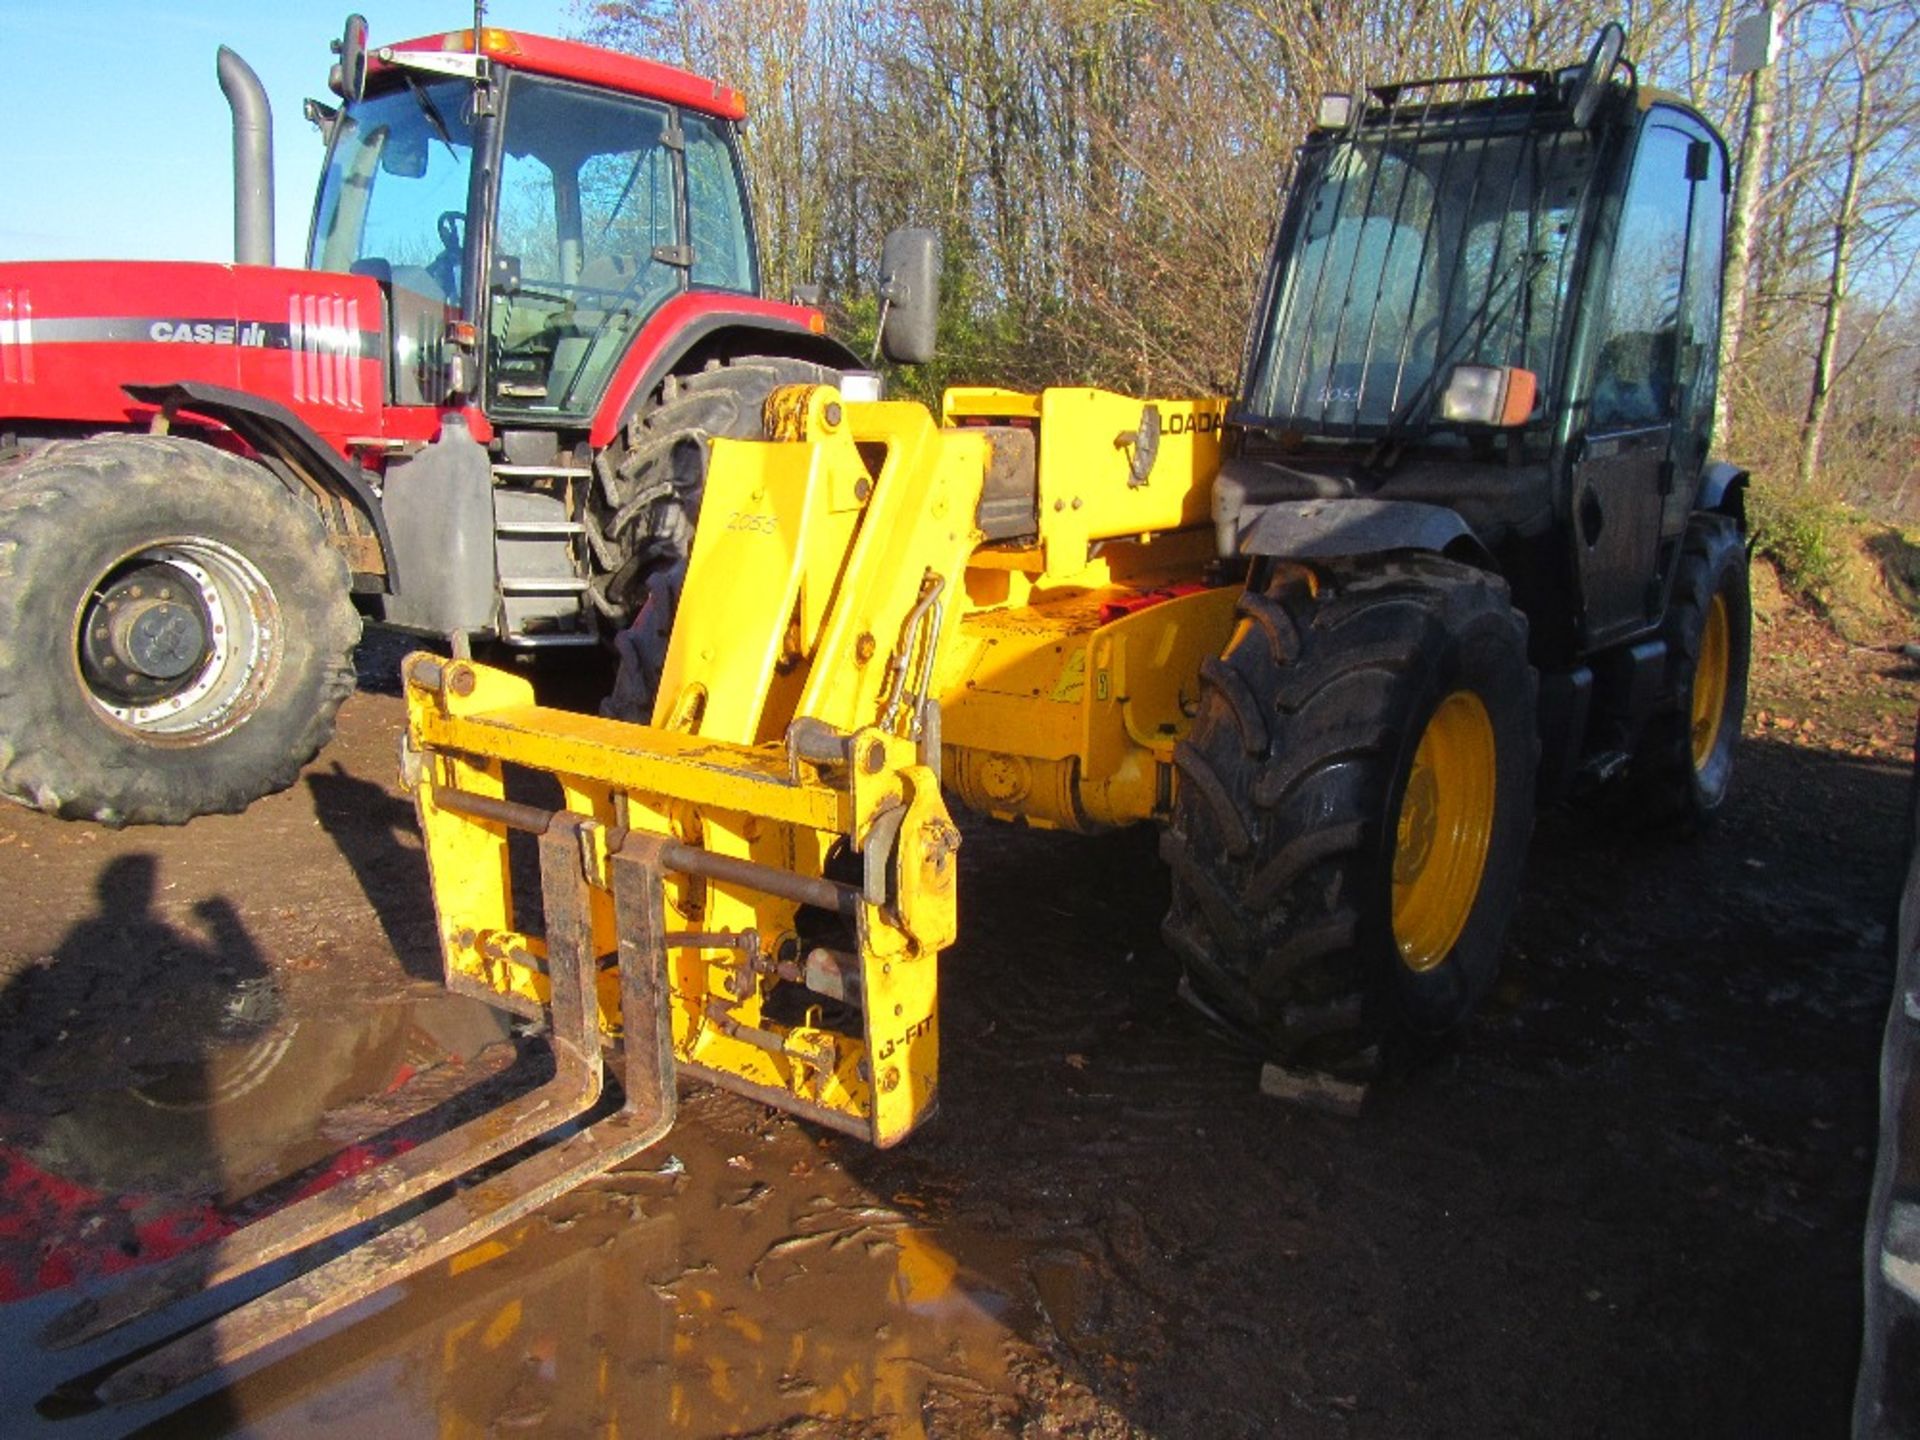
[(1354, 806), (175, 631), (1683, 765)]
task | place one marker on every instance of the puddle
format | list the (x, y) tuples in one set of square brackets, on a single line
[(712, 1293), (94, 1181), (734, 1280), (254, 1109)]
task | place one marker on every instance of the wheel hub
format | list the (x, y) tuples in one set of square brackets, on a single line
[(178, 639), (146, 635), (1419, 823), (1444, 829)]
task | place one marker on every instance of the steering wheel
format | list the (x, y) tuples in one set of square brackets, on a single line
[(446, 266)]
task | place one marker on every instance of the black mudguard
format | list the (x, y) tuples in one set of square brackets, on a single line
[(1327, 529), (1723, 488), (296, 455)]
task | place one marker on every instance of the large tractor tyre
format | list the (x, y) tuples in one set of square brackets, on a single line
[(1682, 767), (644, 511), (175, 632), (1354, 806)]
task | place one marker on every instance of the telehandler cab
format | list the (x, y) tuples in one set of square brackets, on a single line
[(1457, 540)]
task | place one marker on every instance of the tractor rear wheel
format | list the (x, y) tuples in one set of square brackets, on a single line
[(1683, 766), (175, 631), (1354, 805), (644, 518)]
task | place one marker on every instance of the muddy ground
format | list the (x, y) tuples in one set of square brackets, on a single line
[(1626, 1202)]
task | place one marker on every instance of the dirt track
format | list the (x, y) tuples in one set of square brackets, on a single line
[(1628, 1201)]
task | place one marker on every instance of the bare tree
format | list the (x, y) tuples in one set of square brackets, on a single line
[(1106, 172)]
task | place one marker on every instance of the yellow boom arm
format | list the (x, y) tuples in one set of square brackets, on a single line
[(1013, 599)]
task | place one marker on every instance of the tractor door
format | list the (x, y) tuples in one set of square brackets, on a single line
[(1653, 336), (393, 205), (608, 207)]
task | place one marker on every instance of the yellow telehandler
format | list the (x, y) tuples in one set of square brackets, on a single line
[(1456, 542)]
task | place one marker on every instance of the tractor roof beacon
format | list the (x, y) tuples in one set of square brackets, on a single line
[(531, 294)]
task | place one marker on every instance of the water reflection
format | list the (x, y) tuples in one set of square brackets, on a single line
[(710, 1293), (734, 1279), (123, 1175)]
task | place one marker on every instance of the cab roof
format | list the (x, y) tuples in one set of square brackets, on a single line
[(587, 64)]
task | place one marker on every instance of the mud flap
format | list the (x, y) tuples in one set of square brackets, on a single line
[(439, 509)]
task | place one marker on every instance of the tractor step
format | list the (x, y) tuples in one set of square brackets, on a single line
[(540, 529), (470, 1214)]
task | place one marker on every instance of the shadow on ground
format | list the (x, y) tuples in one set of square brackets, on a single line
[(379, 838), (1630, 1196)]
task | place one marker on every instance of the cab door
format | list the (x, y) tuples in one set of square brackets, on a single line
[(1648, 399)]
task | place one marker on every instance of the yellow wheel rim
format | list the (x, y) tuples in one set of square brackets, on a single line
[(1445, 826), (1710, 684)]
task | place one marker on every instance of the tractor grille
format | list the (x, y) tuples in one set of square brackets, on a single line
[(324, 331)]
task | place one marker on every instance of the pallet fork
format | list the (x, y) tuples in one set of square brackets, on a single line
[(754, 890), (646, 1078)]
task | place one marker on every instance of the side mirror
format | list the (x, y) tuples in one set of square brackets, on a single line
[(1591, 82), (910, 296), (348, 78)]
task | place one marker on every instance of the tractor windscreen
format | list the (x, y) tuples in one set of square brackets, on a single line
[(393, 200), (1417, 242)]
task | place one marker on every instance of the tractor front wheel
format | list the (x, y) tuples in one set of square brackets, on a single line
[(1354, 806), (175, 631)]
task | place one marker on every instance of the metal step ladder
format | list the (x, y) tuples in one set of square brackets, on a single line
[(537, 549)]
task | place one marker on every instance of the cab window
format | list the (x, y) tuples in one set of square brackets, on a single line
[(588, 231), (1637, 363), (723, 256)]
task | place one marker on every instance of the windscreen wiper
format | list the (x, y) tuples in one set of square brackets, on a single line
[(432, 112)]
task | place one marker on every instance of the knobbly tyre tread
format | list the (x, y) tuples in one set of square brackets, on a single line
[(646, 502), (1661, 786), (75, 500), (1282, 835)]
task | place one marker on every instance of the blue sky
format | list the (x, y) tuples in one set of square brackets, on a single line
[(115, 141)]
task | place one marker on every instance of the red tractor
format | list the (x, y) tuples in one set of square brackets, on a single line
[(531, 295)]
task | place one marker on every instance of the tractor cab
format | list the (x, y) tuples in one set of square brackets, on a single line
[(611, 186)]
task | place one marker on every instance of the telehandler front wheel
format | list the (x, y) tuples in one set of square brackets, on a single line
[(1354, 806), (175, 631), (1683, 766)]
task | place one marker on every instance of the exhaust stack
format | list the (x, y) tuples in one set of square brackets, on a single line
[(252, 160)]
